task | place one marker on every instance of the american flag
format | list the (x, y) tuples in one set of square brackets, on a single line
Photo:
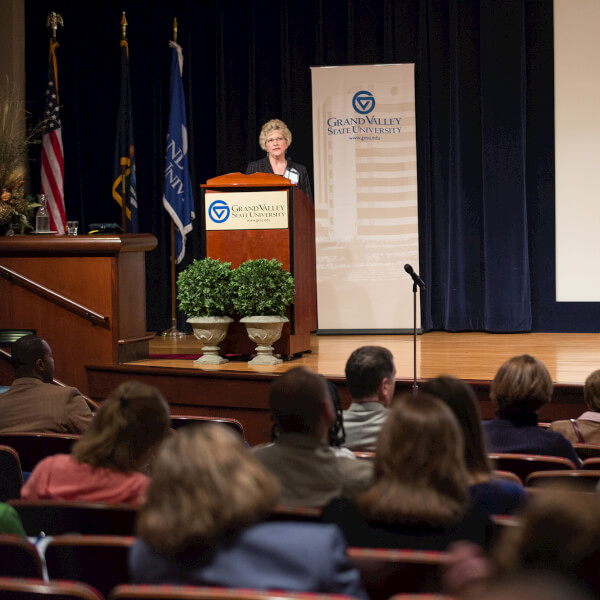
[(52, 151)]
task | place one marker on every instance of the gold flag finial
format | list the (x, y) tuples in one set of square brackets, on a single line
[(123, 26), (53, 21), (175, 29)]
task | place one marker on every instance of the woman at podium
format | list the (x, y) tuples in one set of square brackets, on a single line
[(275, 138)]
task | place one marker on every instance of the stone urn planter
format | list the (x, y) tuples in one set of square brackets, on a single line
[(264, 331), (211, 331)]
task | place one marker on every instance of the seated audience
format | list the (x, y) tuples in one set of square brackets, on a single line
[(10, 522), (420, 498), (494, 495), (519, 389), (203, 524), (586, 429), (107, 462), (370, 377), (33, 403), (308, 470)]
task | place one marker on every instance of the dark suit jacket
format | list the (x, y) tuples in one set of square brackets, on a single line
[(32, 405), (264, 166), (294, 557)]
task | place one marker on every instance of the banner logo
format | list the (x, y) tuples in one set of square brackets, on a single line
[(219, 211), (363, 102)]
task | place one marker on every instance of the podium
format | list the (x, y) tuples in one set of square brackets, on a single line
[(85, 295), (265, 216)]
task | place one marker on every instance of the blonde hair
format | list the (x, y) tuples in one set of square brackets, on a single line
[(522, 383), (128, 424), (591, 391), (274, 125), (204, 484), (420, 471)]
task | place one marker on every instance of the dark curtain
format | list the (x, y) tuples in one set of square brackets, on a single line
[(484, 137)]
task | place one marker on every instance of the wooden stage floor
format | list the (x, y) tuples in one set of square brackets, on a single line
[(570, 358)]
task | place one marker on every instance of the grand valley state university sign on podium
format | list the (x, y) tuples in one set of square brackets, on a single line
[(265, 216)]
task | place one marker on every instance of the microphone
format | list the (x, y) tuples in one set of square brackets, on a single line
[(415, 276)]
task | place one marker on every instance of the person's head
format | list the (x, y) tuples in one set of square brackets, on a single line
[(371, 374), (275, 135), (300, 403), (559, 532), (522, 383), (204, 484), (420, 472), (591, 391), (460, 398), (32, 357), (126, 430)]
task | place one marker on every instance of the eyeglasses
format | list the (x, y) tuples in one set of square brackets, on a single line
[(273, 140)]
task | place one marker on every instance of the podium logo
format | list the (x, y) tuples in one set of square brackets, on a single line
[(363, 102), (219, 211)]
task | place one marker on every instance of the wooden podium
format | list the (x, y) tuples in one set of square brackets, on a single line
[(293, 244), (85, 295)]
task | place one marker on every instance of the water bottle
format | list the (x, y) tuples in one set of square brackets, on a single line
[(42, 216)]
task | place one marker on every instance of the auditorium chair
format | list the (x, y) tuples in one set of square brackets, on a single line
[(11, 481), (590, 464), (12, 588), (585, 451), (508, 475), (580, 480), (98, 560), (386, 572), (57, 517), (34, 446), (524, 464), (420, 597), (364, 454), (188, 592), (305, 514), (19, 557), (178, 421)]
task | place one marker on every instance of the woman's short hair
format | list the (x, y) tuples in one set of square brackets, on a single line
[(460, 398), (204, 484), (591, 391), (274, 125), (522, 383), (420, 472), (129, 423)]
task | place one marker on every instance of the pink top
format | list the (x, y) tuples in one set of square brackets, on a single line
[(61, 477)]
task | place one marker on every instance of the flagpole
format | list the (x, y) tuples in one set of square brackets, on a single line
[(123, 166), (173, 332)]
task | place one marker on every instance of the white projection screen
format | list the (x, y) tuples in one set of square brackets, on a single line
[(577, 148), (366, 224)]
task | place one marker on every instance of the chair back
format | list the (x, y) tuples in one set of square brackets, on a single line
[(582, 481), (98, 560), (591, 464), (34, 446), (364, 454), (508, 475), (19, 557), (386, 572), (178, 421), (523, 464), (305, 514), (585, 451), (11, 481), (57, 517), (12, 588), (187, 592)]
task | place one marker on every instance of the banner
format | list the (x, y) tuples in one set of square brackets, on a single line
[(365, 158)]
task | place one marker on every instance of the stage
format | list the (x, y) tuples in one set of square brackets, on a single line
[(240, 391)]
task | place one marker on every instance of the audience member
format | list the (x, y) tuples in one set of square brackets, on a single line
[(202, 524), (10, 522), (586, 429), (420, 498), (106, 463), (33, 403), (494, 495), (520, 388), (370, 377), (308, 470)]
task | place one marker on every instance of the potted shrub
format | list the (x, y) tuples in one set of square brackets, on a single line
[(205, 296), (262, 290)]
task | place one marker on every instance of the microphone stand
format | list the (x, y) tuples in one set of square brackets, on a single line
[(415, 387)]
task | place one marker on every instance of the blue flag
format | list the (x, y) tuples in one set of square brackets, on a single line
[(178, 199), (124, 184)]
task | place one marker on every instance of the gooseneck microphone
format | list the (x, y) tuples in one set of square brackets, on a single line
[(415, 276)]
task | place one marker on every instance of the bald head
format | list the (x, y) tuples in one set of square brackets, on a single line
[(299, 401), (32, 357)]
